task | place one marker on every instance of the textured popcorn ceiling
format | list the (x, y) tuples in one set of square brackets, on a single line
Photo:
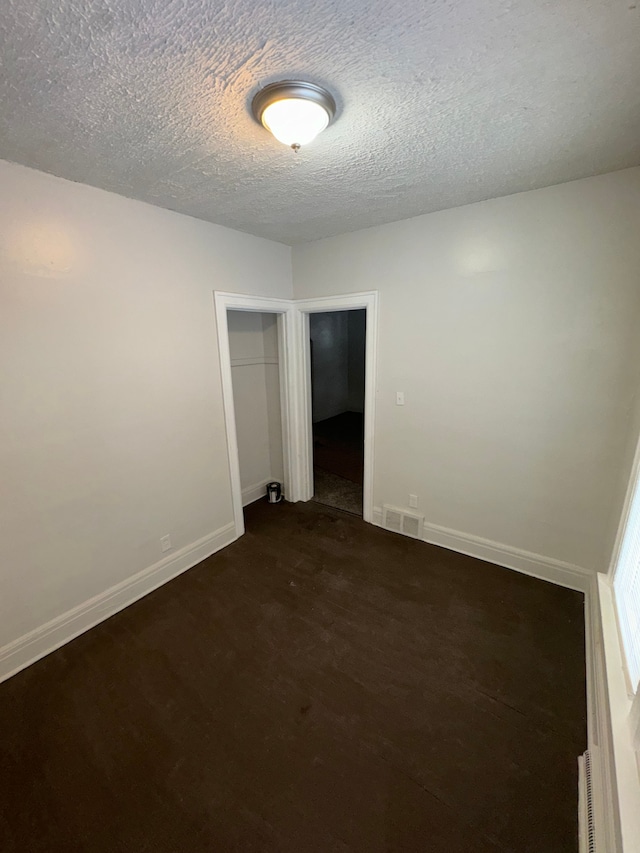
[(441, 102)]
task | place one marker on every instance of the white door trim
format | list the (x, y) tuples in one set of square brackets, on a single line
[(346, 302), (286, 356), (295, 388)]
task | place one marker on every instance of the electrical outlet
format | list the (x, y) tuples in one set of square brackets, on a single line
[(165, 543), (413, 501), (399, 398)]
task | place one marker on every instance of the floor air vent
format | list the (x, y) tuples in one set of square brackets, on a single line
[(587, 825), (402, 522)]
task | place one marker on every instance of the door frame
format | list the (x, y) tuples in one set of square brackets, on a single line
[(294, 364), (283, 308), (303, 308)]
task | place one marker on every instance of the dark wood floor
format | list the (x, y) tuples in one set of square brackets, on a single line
[(320, 685)]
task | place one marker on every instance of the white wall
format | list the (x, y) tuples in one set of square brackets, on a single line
[(510, 327), (253, 346), (111, 424), (274, 406)]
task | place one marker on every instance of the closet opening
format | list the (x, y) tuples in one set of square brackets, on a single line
[(255, 378)]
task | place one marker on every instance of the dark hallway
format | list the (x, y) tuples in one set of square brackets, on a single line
[(338, 392)]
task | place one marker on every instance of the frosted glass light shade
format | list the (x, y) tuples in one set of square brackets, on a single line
[(295, 121), (294, 111)]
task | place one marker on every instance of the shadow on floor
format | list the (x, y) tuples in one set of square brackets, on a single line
[(338, 462)]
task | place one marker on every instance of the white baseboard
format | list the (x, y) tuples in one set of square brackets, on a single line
[(47, 638), (255, 492), (536, 565)]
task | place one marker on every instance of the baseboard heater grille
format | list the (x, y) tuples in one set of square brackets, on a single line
[(402, 522), (586, 810)]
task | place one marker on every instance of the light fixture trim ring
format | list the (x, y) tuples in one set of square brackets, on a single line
[(300, 89)]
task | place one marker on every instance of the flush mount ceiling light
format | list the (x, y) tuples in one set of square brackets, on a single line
[(294, 112)]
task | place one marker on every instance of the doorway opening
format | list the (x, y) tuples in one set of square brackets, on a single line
[(338, 368), (267, 328), (294, 374), (255, 378)]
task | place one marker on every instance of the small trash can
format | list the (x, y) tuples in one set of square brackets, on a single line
[(274, 493)]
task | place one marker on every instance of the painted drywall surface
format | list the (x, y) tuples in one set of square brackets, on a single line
[(111, 426), (329, 334), (274, 405), (510, 327), (256, 395), (357, 322), (246, 341), (631, 403)]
